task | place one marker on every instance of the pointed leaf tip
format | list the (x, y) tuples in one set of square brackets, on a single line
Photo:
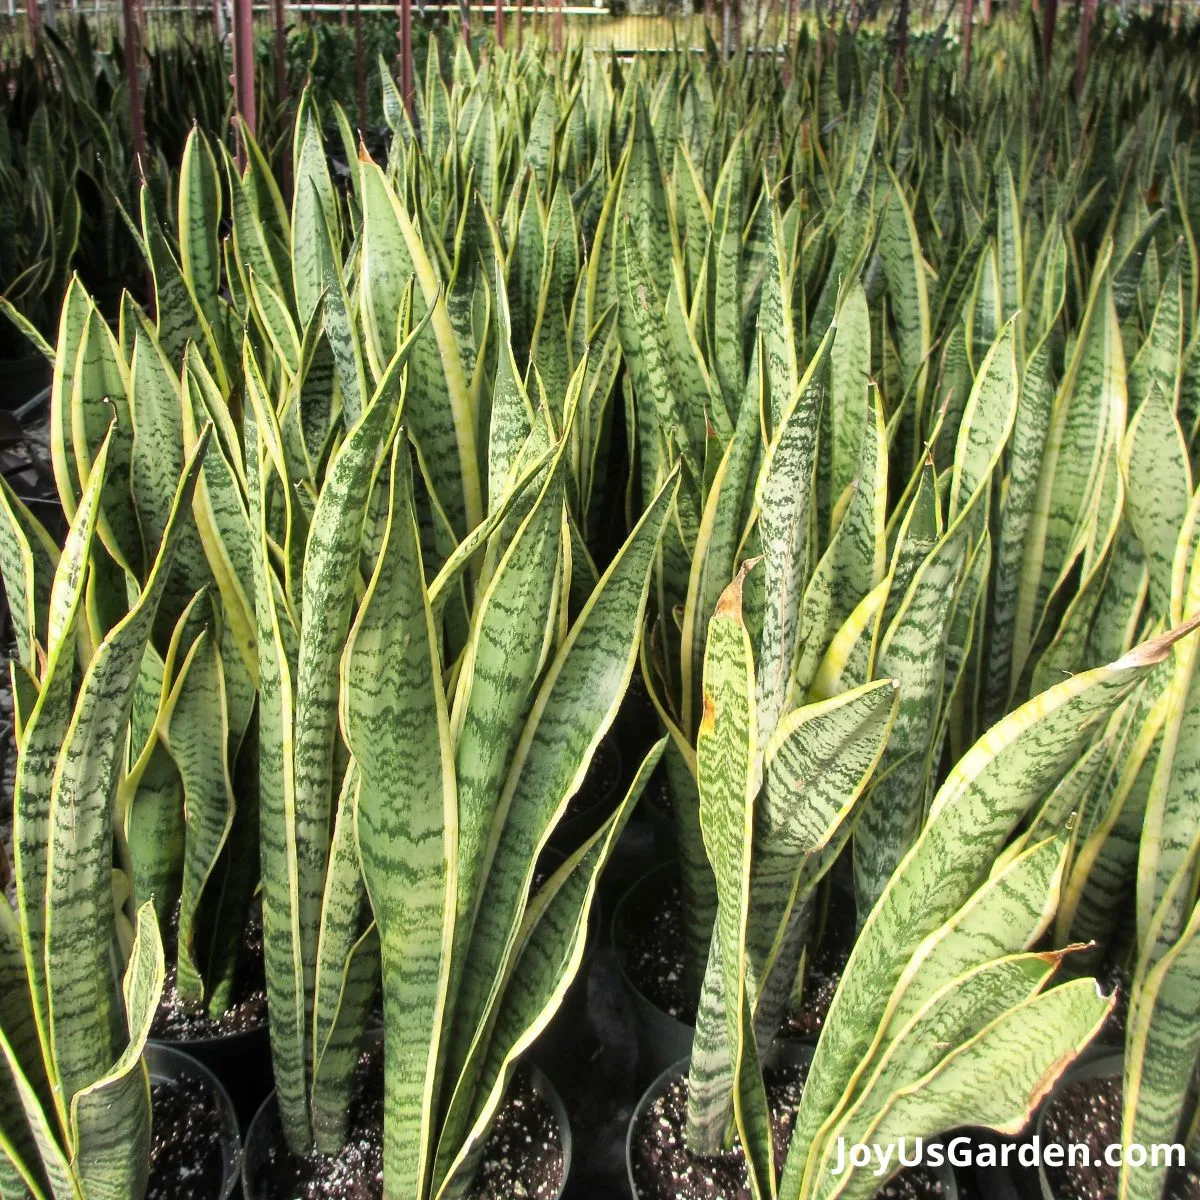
[(730, 603), (1156, 649)]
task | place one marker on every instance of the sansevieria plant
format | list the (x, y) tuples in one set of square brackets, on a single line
[(942, 986), (1137, 842), (185, 830), (78, 994), (405, 799), (450, 784)]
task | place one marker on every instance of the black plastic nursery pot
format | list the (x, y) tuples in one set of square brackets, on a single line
[(662, 1040), (21, 379), (1100, 1065), (265, 1137), (789, 1053), (995, 1182), (1098, 1070), (178, 1170), (241, 1062), (236, 1047)]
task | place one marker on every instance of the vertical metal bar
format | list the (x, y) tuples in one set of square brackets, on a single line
[(726, 28), (406, 63), (1048, 23), (133, 81), (558, 26), (218, 19), (1085, 37), (360, 70), (901, 46), (500, 24), (34, 20), (968, 24), (278, 21), (243, 68), (465, 12)]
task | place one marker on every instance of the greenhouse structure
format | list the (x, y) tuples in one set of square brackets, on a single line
[(601, 602)]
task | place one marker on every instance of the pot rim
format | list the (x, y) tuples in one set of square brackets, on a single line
[(1098, 1066), (791, 1049), (165, 1063), (539, 1081), (1097, 1061), (234, 1038)]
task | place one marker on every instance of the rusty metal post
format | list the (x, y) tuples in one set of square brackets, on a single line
[(517, 17), (33, 15), (360, 70), (243, 68), (406, 63), (133, 81), (464, 8), (558, 26), (500, 24), (1085, 36), (968, 24), (901, 46), (278, 21), (1048, 23)]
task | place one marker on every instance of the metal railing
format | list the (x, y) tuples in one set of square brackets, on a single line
[(598, 27)]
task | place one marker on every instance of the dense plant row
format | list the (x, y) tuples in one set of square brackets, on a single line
[(910, 391), (68, 176)]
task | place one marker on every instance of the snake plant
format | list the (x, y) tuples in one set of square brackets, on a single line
[(929, 361), (472, 968), (969, 505), (80, 991), (1137, 843), (942, 987), (185, 814), (185, 818), (42, 215), (818, 253), (405, 798)]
